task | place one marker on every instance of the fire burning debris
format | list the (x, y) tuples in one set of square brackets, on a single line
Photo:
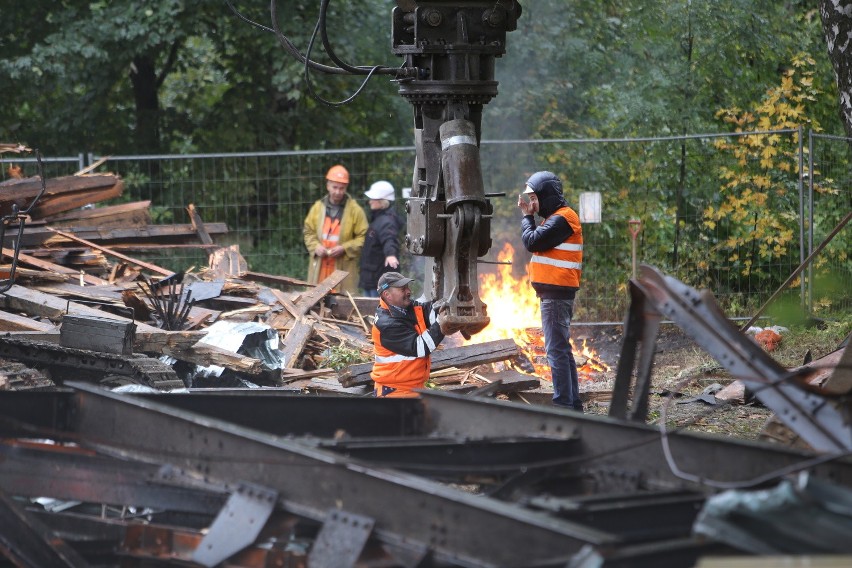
[(513, 309)]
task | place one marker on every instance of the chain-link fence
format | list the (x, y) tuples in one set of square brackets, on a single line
[(53, 166), (728, 212), (829, 192)]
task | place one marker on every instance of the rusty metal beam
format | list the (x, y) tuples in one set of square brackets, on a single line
[(28, 543), (821, 424), (312, 482)]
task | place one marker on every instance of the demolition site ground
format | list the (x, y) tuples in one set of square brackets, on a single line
[(685, 378)]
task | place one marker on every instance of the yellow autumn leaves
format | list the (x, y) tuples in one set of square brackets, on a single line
[(763, 172)]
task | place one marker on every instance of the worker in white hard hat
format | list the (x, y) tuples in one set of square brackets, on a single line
[(381, 246)]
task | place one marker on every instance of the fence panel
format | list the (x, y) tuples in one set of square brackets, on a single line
[(53, 166), (263, 197), (718, 211), (687, 193), (830, 200)]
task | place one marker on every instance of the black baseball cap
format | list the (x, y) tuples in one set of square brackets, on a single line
[(393, 280)]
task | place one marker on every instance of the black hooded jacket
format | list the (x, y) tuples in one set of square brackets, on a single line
[(552, 232), (382, 240)]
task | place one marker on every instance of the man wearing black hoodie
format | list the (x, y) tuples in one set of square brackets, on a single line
[(557, 263)]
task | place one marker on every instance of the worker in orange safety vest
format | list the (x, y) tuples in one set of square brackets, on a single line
[(334, 232), (404, 336), (555, 268)]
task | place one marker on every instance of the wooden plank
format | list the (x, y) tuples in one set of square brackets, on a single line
[(53, 267), (136, 214), (137, 247), (290, 313), (342, 307), (198, 225), (246, 314), (224, 302), (52, 205), (105, 250), (206, 355), (286, 302), (51, 335), (227, 262), (273, 279), (310, 298), (290, 375), (36, 303), (105, 294), (198, 315), (466, 356), (33, 276), (40, 236), (332, 385), (14, 322), (509, 381), (296, 340), (21, 191), (155, 341), (92, 167)]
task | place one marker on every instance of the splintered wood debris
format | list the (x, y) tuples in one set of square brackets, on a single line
[(76, 264)]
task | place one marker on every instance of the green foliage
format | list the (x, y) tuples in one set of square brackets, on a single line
[(758, 201), (73, 75), (340, 356), (596, 68), (219, 84)]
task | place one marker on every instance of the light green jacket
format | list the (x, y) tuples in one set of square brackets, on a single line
[(353, 229)]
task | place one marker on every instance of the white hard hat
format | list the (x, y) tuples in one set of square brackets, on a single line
[(381, 190)]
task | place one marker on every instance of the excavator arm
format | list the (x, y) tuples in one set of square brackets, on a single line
[(450, 48), (452, 45)]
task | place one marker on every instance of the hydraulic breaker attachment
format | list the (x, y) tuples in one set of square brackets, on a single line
[(453, 45)]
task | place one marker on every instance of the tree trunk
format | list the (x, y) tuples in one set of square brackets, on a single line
[(143, 76), (837, 25)]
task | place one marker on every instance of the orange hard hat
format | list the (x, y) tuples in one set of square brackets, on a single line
[(338, 173)]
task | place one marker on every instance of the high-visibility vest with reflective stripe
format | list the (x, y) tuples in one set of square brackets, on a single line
[(402, 372), (330, 238), (561, 265)]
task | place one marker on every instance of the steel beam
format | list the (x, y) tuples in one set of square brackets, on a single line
[(627, 514), (455, 460), (822, 425), (74, 474), (447, 521), (629, 450), (30, 544), (287, 414)]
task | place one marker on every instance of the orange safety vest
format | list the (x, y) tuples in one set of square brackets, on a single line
[(330, 238), (397, 371), (563, 264)]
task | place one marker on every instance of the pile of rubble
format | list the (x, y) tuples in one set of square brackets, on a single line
[(77, 304)]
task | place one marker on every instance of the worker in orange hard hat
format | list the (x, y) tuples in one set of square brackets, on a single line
[(334, 232)]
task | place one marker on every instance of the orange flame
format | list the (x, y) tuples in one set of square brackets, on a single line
[(514, 311)]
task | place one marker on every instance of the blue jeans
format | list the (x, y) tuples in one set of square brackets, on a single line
[(371, 293), (556, 325)]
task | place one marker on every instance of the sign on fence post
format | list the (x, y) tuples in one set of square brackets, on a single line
[(634, 226), (590, 207)]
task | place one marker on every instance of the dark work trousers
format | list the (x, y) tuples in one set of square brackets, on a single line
[(556, 325)]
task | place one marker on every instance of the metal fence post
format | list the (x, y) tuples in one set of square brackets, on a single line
[(810, 299), (802, 254)]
